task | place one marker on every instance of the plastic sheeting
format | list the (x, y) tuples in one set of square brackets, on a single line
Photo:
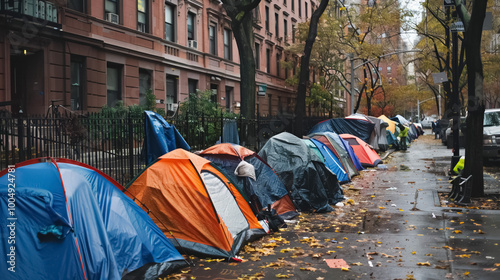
[(360, 128), (313, 187), (230, 132), (111, 235), (160, 137)]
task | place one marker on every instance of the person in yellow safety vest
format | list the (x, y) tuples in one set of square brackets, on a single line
[(402, 136), (459, 166)]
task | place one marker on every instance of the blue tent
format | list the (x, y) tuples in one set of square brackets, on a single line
[(348, 148), (361, 129), (332, 162), (73, 222), (391, 139), (160, 137)]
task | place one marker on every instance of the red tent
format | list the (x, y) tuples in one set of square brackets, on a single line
[(367, 156)]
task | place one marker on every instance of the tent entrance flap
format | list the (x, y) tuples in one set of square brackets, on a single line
[(226, 208)]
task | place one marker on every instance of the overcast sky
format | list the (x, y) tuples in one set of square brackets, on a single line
[(415, 6)]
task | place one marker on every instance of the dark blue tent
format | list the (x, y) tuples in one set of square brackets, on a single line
[(73, 222), (265, 190), (331, 161), (361, 129), (160, 137)]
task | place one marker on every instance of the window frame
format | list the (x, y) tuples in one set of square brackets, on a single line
[(172, 25), (228, 44), (212, 41), (191, 16), (146, 16), (119, 93)]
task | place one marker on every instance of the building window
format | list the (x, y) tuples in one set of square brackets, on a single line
[(228, 44), (78, 93), (268, 60), (77, 5), (305, 9), (171, 96), (277, 24), (293, 33), (111, 6), (114, 84), (229, 98), (169, 23), (278, 58), (214, 88), (286, 69), (285, 28), (212, 38), (192, 85), (293, 5), (191, 19), (389, 69), (270, 104), (144, 85), (257, 56), (267, 18), (300, 8), (142, 16)]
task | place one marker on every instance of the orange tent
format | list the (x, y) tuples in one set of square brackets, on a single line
[(193, 202), (366, 155)]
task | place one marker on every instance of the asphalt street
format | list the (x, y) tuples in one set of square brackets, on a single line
[(395, 224)]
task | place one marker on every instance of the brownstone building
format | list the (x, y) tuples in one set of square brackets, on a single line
[(89, 53)]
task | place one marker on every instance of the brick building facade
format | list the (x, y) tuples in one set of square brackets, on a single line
[(90, 53)]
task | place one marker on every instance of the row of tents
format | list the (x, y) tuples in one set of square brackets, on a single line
[(74, 222)]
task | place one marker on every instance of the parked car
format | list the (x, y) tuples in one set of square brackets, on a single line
[(427, 122), (491, 134)]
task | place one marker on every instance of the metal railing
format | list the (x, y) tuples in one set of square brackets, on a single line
[(113, 143)]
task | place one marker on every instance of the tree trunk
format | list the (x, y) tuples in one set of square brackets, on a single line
[(474, 133), (243, 34), (240, 12), (300, 105)]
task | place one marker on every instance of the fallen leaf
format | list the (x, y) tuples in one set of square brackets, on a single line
[(309, 268), (428, 255), (207, 268), (356, 264), (281, 276), (372, 253), (441, 266), (424, 263), (490, 269), (466, 273), (413, 253), (345, 269), (457, 231), (497, 264), (381, 207), (464, 256)]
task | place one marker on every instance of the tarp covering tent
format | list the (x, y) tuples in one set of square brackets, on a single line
[(366, 155), (194, 201), (313, 187), (391, 139), (267, 188), (339, 151), (160, 137), (331, 161), (73, 222), (400, 119), (380, 135), (373, 140), (360, 128)]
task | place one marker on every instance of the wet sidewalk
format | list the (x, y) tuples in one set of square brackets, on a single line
[(392, 227)]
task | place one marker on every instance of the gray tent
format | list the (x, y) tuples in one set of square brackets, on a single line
[(311, 184), (380, 139)]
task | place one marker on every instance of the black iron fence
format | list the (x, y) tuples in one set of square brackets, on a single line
[(113, 143)]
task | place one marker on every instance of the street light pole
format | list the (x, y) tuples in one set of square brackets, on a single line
[(455, 100)]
